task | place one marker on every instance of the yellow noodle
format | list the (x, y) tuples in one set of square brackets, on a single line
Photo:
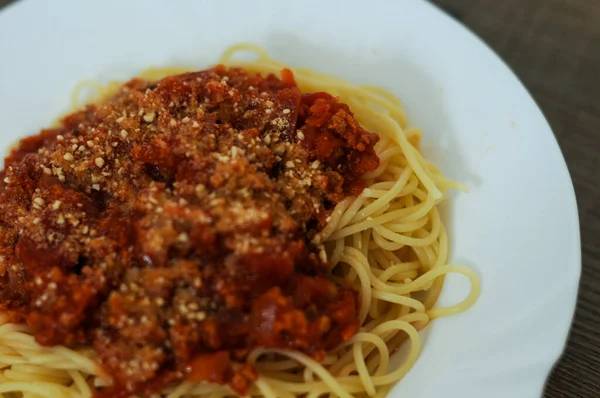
[(389, 243)]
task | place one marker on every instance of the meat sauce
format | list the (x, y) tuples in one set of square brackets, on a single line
[(170, 227)]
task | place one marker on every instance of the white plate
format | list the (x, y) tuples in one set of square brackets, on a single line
[(518, 227)]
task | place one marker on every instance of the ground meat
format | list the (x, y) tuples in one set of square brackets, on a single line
[(170, 226)]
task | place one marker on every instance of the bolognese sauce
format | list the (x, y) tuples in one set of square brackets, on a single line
[(170, 227)]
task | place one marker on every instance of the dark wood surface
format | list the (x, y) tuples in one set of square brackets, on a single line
[(554, 47)]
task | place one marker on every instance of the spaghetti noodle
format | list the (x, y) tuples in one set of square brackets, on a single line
[(389, 244)]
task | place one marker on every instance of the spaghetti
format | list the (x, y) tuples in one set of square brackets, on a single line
[(389, 244)]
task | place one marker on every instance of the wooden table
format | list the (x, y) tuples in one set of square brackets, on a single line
[(554, 47)]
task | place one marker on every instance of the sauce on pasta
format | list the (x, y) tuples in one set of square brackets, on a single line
[(171, 227)]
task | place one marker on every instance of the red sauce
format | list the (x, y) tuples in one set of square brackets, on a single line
[(170, 227)]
